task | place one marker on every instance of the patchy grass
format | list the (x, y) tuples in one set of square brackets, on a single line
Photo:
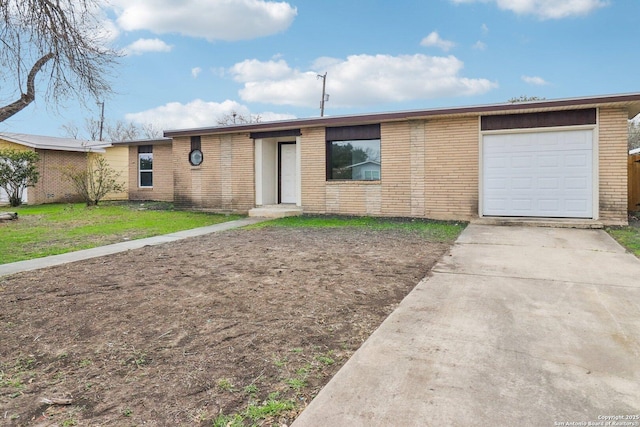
[(434, 230), (53, 229), (629, 236)]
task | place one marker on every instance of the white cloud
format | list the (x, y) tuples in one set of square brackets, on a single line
[(434, 39), (479, 45), (195, 72), (358, 80), (147, 45), (534, 80), (485, 29), (545, 9), (211, 20), (195, 114), (252, 69)]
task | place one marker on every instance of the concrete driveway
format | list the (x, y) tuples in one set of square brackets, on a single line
[(517, 326)]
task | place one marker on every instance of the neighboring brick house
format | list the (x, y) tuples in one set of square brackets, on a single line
[(56, 154), (552, 159)]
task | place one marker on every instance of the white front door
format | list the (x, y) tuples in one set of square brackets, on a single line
[(288, 178), (538, 174)]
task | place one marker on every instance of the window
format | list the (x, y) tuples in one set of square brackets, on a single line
[(145, 165), (195, 155), (353, 153)]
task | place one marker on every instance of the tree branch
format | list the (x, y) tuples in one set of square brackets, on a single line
[(26, 98)]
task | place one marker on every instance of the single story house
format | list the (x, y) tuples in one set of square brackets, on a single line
[(56, 154), (563, 158)]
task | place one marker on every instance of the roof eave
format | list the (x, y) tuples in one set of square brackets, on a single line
[(630, 101)]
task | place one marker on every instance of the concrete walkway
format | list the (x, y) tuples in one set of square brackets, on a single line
[(34, 264), (518, 326)]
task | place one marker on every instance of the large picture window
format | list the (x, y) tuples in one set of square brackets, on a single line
[(353, 153), (145, 166)]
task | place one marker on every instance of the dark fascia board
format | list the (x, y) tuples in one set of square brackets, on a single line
[(631, 101), (137, 142)]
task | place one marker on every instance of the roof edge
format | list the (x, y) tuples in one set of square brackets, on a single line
[(358, 119)]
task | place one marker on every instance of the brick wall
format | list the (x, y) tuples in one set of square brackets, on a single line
[(428, 169), (53, 186), (225, 179), (451, 168), (243, 173), (314, 171), (395, 169), (612, 150), (162, 189), (182, 181)]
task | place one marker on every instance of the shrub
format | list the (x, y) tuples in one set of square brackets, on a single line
[(96, 181), (18, 170)]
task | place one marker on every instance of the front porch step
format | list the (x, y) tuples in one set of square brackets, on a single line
[(275, 211), (540, 222)]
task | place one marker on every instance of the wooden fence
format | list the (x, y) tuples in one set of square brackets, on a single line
[(634, 182)]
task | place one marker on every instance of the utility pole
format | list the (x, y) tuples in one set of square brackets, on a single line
[(101, 118), (325, 97)]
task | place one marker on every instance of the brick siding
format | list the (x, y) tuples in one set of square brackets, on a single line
[(612, 151), (225, 179), (162, 189), (53, 186), (451, 168)]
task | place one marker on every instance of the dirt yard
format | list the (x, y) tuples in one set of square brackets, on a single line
[(246, 322)]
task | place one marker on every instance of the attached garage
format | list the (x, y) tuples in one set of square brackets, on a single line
[(539, 174), (539, 165)]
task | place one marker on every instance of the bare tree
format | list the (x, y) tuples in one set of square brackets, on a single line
[(238, 119), (115, 132), (90, 130), (525, 98), (65, 38), (122, 131), (150, 131)]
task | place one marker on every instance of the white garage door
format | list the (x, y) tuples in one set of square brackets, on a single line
[(544, 174)]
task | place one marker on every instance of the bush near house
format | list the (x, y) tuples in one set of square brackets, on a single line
[(96, 181), (18, 170)]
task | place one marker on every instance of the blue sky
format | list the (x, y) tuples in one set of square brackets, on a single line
[(188, 63)]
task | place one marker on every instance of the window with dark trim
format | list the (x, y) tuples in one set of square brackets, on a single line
[(145, 166), (353, 153), (195, 155)]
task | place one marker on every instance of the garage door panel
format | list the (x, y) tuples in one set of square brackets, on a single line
[(547, 174), (497, 184), (577, 183), (521, 183)]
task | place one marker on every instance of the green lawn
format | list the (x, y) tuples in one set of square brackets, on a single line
[(629, 236), (58, 228), (431, 230)]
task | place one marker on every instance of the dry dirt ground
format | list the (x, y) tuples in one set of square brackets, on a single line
[(249, 322)]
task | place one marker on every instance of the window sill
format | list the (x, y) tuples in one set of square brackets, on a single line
[(352, 182)]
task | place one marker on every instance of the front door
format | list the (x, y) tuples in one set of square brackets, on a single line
[(287, 178)]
